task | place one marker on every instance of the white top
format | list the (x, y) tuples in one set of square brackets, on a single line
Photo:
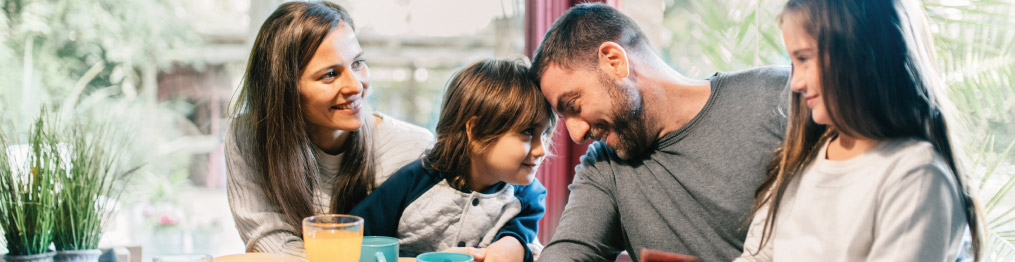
[(260, 221), (897, 202)]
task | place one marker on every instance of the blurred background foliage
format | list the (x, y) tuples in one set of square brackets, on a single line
[(94, 58), (61, 50), (99, 59)]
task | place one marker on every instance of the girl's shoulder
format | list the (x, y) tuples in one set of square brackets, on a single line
[(909, 152), (914, 159)]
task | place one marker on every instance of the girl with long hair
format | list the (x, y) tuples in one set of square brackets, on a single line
[(869, 170), (303, 141)]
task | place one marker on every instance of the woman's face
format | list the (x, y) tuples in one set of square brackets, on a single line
[(803, 52), (334, 83)]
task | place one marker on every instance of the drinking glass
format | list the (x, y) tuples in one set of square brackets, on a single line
[(336, 238)]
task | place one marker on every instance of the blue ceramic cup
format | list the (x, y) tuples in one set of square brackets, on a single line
[(379, 249), (444, 257)]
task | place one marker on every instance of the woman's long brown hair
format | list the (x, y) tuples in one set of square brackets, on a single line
[(878, 82), (269, 123)]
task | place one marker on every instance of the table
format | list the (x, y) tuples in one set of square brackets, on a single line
[(257, 257)]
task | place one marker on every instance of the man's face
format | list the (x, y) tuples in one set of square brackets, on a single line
[(595, 106)]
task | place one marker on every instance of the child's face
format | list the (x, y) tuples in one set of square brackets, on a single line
[(803, 52), (334, 82), (513, 157)]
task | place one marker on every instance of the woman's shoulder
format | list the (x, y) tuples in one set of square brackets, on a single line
[(391, 128), (237, 139), (398, 143)]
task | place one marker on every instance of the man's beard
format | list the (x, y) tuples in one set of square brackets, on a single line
[(628, 122)]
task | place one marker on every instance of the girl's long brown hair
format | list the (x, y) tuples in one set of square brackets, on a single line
[(501, 97), (878, 82), (270, 126)]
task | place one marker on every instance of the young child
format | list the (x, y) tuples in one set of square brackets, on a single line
[(477, 184), (868, 171)]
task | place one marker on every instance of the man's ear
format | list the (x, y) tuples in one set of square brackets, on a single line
[(613, 60)]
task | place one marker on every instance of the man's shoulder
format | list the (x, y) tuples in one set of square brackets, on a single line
[(767, 77), (765, 72), (763, 90)]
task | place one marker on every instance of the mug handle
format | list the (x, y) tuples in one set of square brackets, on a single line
[(380, 257)]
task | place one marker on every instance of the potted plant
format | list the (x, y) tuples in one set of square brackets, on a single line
[(88, 189), (27, 195)]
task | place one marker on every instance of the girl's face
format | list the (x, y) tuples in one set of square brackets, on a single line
[(513, 157), (334, 83), (803, 52)]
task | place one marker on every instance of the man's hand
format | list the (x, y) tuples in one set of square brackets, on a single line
[(478, 254), (507, 249)]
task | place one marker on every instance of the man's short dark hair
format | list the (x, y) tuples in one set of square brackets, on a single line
[(573, 39)]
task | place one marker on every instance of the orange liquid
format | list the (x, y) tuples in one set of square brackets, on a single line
[(333, 245)]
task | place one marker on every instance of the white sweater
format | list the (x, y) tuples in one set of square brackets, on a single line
[(259, 219), (897, 202)]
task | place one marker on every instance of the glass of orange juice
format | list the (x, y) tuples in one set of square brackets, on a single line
[(333, 238)]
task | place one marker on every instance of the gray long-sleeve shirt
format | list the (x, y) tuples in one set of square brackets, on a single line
[(259, 219), (692, 193)]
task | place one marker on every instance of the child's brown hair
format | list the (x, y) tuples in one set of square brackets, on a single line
[(501, 97)]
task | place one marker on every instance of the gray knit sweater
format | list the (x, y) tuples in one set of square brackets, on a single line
[(259, 219)]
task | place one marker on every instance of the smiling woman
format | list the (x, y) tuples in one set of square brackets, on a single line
[(302, 142), (331, 88)]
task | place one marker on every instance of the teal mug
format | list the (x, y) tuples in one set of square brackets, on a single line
[(444, 257), (379, 249)]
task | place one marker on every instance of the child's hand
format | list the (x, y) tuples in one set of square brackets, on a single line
[(506, 249), (478, 254)]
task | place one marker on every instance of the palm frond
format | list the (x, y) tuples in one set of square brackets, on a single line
[(976, 48), (1009, 186)]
